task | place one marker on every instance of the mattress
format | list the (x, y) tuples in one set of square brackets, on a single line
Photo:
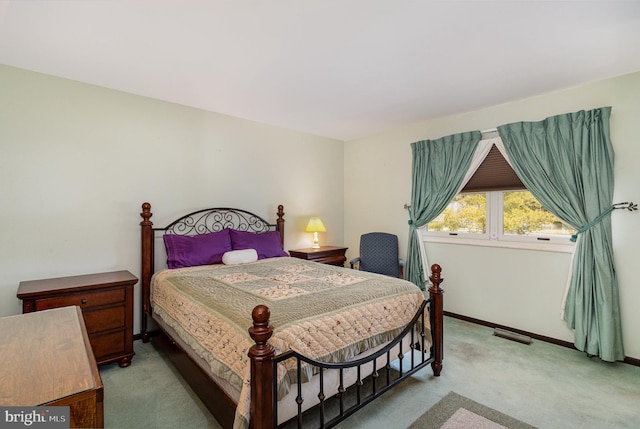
[(324, 312)]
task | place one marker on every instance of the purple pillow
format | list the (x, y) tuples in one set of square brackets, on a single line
[(189, 251), (267, 244)]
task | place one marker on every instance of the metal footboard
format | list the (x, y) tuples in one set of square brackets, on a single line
[(374, 375)]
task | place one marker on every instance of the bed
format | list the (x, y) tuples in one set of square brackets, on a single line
[(267, 340)]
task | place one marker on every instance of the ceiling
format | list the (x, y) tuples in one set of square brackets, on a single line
[(343, 69)]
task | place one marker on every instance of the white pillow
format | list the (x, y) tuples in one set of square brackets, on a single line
[(239, 256)]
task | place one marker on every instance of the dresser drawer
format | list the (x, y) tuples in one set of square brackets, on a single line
[(83, 300), (104, 319)]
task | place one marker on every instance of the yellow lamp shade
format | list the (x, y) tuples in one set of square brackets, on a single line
[(315, 225)]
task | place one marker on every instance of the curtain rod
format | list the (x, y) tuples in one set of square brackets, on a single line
[(489, 133)]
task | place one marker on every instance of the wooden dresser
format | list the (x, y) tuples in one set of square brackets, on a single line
[(331, 255), (106, 300), (47, 360)]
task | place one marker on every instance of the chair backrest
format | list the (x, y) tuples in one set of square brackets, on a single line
[(379, 253)]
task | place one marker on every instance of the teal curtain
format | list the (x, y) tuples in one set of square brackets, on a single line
[(439, 166), (566, 161)]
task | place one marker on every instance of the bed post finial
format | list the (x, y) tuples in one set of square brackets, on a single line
[(146, 212), (280, 222), (261, 331), (437, 318), (261, 355), (146, 229), (435, 278)]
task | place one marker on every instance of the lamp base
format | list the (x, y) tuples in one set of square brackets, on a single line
[(315, 246), (315, 241)]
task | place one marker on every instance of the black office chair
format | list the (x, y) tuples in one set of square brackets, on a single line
[(379, 254)]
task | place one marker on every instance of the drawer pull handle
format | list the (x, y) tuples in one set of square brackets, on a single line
[(83, 301)]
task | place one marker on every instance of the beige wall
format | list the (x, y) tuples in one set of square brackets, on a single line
[(77, 161), (517, 288)]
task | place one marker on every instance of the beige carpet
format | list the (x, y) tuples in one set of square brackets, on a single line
[(457, 412)]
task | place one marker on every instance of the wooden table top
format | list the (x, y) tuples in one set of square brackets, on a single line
[(319, 250), (34, 287), (45, 356)]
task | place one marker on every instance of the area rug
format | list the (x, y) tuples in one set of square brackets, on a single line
[(457, 412)]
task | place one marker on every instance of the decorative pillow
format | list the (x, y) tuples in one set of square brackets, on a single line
[(240, 256), (267, 244), (189, 251)]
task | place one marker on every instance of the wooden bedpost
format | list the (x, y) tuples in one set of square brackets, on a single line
[(280, 223), (437, 319), (146, 267), (262, 373)]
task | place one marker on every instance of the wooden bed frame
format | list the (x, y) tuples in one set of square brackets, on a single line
[(262, 355)]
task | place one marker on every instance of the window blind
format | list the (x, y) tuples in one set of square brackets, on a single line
[(494, 174)]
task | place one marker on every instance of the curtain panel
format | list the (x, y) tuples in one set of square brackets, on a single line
[(439, 167), (566, 162)]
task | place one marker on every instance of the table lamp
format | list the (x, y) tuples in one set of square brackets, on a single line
[(315, 225)]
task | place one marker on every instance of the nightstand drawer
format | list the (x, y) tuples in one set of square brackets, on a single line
[(109, 344), (331, 255), (104, 319), (83, 300)]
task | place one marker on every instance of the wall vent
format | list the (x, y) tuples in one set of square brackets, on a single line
[(502, 333)]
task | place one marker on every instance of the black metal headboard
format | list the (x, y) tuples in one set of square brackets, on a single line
[(216, 219)]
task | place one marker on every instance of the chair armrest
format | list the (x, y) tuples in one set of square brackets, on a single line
[(401, 262), (354, 261)]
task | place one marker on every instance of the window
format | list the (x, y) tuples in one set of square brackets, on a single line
[(466, 214), (495, 209)]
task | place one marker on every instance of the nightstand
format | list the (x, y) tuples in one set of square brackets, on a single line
[(106, 300), (330, 255)]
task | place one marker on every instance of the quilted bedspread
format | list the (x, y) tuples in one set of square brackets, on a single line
[(324, 312)]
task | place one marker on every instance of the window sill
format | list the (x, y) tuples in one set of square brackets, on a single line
[(539, 246)]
